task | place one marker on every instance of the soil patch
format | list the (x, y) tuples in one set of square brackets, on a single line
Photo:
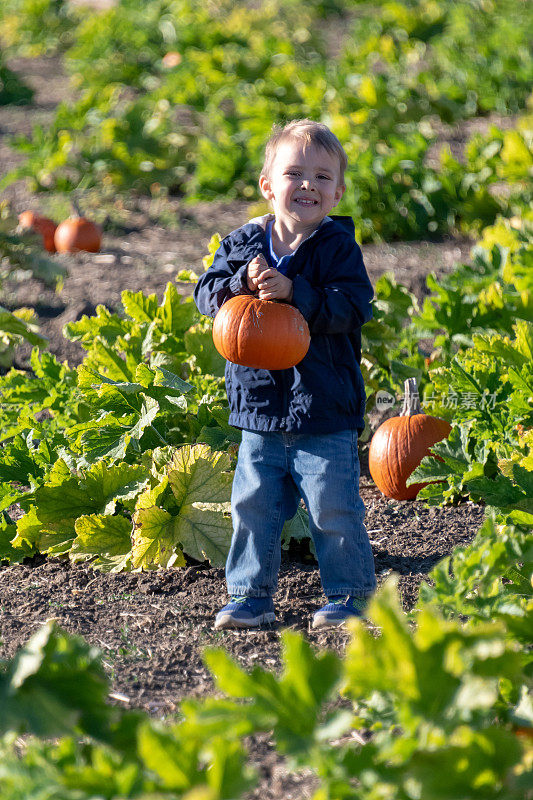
[(153, 626)]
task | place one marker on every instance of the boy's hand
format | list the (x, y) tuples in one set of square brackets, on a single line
[(274, 285), (256, 266), (270, 283)]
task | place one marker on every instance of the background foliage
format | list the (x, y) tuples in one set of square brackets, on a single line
[(198, 128)]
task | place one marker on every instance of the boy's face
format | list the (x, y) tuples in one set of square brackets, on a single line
[(304, 185)]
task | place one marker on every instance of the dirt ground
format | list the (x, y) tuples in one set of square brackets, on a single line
[(152, 627)]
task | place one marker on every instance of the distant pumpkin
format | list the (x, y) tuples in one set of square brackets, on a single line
[(77, 233), (400, 443), (171, 59), (46, 227), (264, 334)]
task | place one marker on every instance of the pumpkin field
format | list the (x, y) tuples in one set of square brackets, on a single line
[(131, 142)]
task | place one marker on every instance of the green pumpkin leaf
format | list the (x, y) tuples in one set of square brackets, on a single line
[(503, 493), (50, 522), (105, 324), (155, 540), (172, 382), (28, 529), (164, 754), (107, 484), (296, 528), (201, 490), (106, 537), (18, 462), (138, 306), (56, 538), (55, 686), (45, 365), (112, 437), (205, 533), (152, 496), (199, 341), (199, 474), (292, 704), (455, 459), (68, 496), (176, 313), (8, 496), (8, 552), (66, 500), (14, 325)]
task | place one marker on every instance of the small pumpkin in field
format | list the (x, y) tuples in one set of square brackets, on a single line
[(264, 334), (400, 443), (46, 227), (77, 233), (171, 59)]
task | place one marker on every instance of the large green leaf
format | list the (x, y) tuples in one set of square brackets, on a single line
[(453, 458), (91, 378), (110, 361), (214, 765), (166, 387), (155, 540), (293, 703), (153, 496), (123, 409), (199, 342), (440, 675), (503, 492), (8, 496), (205, 533), (166, 379), (19, 462), (177, 766), (66, 500), (11, 324), (140, 307), (55, 685), (112, 437), (54, 536), (474, 580), (176, 312), (110, 483), (201, 488), (106, 537), (105, 324), (97, 491), (199, 474), (8, 552), (50, 523)]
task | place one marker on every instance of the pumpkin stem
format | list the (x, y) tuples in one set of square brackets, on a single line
[(76, 211), (411, 402)]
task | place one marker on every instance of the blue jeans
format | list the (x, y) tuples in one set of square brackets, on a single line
[(273, 471)]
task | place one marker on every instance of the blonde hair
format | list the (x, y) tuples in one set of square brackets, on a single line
[(312, 133)]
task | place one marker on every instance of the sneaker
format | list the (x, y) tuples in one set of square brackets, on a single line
[(337, 610), (246, 612)]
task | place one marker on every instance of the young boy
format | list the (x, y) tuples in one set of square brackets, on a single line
[(299, 425)]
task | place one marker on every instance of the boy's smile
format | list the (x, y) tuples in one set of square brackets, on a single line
[(304, 186)]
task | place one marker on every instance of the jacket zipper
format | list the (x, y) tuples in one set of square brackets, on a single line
[(285, 404)]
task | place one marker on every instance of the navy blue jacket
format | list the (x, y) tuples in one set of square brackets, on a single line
[(325, 391)]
